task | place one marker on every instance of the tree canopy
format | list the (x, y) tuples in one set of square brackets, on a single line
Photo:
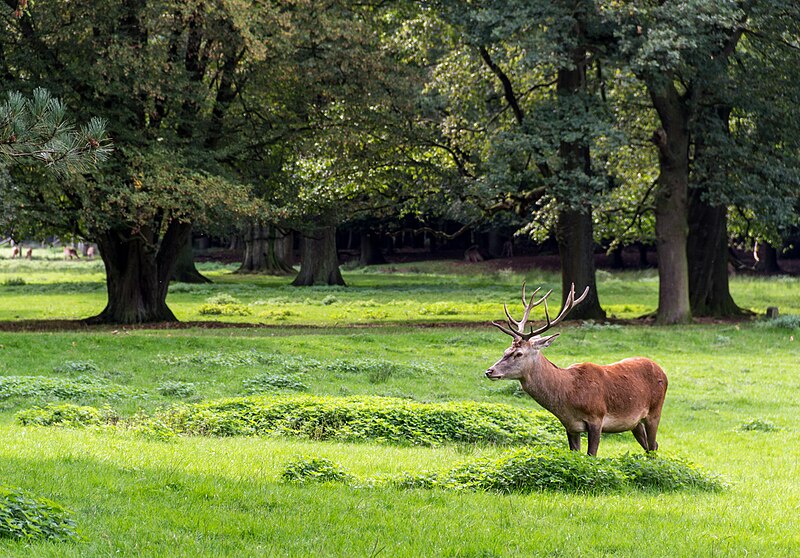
[(588, 122)]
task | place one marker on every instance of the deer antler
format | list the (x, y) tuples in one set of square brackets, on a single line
[(569, 304)]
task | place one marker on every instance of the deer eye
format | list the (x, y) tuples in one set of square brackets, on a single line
[(517, 355)]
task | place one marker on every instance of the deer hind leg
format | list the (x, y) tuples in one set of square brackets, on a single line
[(640, 433), (574, 439), (594, 430), (651, 427)]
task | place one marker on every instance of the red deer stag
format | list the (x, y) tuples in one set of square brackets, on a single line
[(626, 395)]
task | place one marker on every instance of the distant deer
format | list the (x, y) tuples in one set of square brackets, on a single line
[(473, 254), (70, 252), (15, 252), (29, 254), (90, 253), (592, 398)]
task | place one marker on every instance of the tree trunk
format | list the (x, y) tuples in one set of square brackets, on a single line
[(576, 250), (767, 259), (574, 228), (185, 270), (319, 260), (138, 274), (671, 207), (371, 250), (707, 249), (267, 250), (671, 236)]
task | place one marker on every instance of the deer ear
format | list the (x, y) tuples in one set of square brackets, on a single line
[(544, 342)]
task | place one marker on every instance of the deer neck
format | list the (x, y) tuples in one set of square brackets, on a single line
[(544, 381)]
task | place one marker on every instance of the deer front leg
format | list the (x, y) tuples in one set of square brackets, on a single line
[(594, 429), (574, 439)]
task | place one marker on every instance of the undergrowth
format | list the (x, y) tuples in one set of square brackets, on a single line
[(379, 419), (46, 387), (28, 518), (376, 370), (531, 470), (67, 415)]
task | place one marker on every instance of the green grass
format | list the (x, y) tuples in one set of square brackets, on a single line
[(731, 409), (424, 292)]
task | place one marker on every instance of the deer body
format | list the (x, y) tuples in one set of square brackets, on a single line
[(586, 397)]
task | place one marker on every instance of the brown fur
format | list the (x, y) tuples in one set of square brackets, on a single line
[(587, 397)]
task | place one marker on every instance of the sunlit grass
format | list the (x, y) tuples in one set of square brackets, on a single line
[(731, 408), (423, 292)]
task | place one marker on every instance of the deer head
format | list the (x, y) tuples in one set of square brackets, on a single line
[(526, 345)]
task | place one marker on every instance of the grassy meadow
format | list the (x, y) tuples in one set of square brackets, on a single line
[(731, 409)]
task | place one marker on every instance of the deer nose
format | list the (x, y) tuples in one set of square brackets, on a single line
[(489, 372)]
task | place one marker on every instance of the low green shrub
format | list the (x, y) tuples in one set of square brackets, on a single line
[(46, 387), (758, 425), (223, 304), (787, 321), (66, 415), (315, 469), (76, 367), (439, 309), (533, 470), (665, 474), (15, 282), (382, 419), (376, 370), (25, 517), (270, 382), (527, 470), (173, 388), (224, 310)]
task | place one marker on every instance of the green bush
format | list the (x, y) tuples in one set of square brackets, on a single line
[(439, 309), (172, 388), (537, 469), (67, 415), (665, 474), (382, 419), (15, 282), (269, 382), (315, 469), (79, 366), (534, 470), (46, 387), (27, 518), (527, 470), (223, 304), (375, 370), (225, 310), (787, 321), (758, 425), (223, 298)]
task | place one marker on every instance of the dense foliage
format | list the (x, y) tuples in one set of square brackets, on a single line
[(529, 470), (380, 419), (29, 518)]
